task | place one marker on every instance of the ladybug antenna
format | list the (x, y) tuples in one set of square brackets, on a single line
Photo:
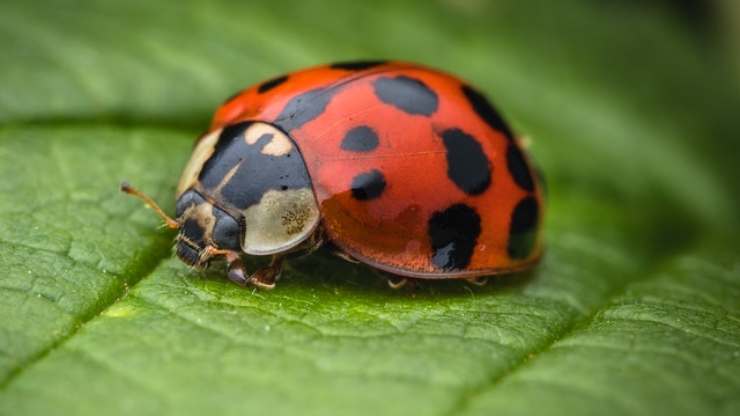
[(148, 201)]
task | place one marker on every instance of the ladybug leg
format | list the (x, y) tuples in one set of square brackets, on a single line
[(344, 256), (236, 266), (266, 277), (236, 273), (314, 242), (236, 269), (478, 281), (336, 251), (396, 283), (211, 251)]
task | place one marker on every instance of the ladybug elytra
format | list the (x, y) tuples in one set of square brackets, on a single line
[(404, 168)]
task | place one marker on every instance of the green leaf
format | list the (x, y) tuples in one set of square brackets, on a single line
[(634, 309)]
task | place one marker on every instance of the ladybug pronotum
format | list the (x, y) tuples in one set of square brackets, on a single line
[(404, 168)]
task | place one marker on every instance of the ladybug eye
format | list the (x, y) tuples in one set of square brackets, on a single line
[(226, 232)]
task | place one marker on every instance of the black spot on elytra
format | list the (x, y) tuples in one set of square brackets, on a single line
[(257, 172), (453, 234), (467, 164), (356, 65), (523, 228), (406, 93), (368, 185), (271, 83), (360, 139), (305, 107), (518, 167), (486, 111)]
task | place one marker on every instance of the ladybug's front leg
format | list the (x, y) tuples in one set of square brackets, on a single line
[(233, 259), (236, 269), (266, 277)]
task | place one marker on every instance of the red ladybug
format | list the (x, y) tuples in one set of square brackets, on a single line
[(401, 167)]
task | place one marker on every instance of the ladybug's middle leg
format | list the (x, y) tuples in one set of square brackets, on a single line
[(478, 281), (394, 281), (265, 277)]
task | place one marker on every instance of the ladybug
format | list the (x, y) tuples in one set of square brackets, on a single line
[(401, 167)]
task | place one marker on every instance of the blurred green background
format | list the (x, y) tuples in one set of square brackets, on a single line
[(632, 111)]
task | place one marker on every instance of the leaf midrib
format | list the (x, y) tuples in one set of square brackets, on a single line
[(161, 252)]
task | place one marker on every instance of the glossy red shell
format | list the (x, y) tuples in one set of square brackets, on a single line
[(399, 231)]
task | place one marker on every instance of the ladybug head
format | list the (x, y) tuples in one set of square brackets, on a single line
[(205, 229)]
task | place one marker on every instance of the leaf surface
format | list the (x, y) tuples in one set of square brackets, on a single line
[(634, 309)]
